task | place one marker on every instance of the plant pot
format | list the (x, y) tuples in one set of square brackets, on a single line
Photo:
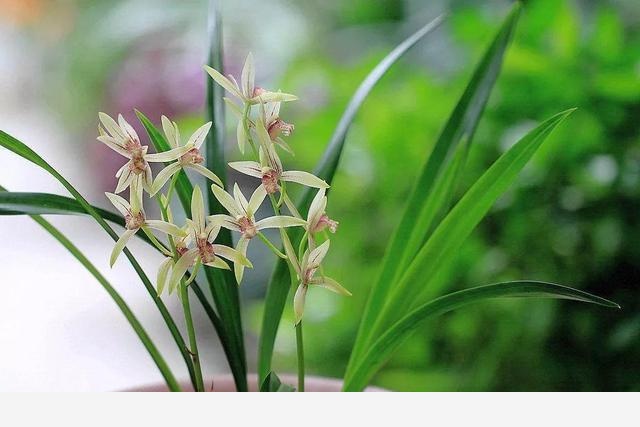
[(224, 383)]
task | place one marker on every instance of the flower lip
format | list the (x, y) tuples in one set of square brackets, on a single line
[(192, 156), (270, 179), (134, 221), (247, 227)]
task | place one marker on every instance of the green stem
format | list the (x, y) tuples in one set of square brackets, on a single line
[(155, 242), (122, 305), (193, 343), (300, 351), (271, 246), (172, 186)]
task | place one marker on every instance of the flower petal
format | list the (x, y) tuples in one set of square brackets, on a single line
[(317, 255), (333, 286), (247, 79), (298, 302), (218, 263), (226, 221), (317, 207), (111, 126), (128, 130), (238, 268), (125, 179), (232, 255), (304, 178), (147, 179), (291, 206), (241, 135), (119, 202), (135, 195), (273, 97), (167, 156), (199, 135), (205, 172), (248, 168), (170, 131), (163, 274), (233, 107), (113, 144), (241, 201), (163, 176), (211, 232), (223, 81), (256, 200), (290, 252), (120, 244), (279, 221), (181, 266), (165, 227), (227, 201), (197, 210)]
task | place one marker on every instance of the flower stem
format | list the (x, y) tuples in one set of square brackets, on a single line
[(271, 246), (300, 351), (193, 344)]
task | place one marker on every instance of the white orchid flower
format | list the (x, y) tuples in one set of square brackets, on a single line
[(123, 139), (247, 91), (306, 271), (135, 220), (317, 219), (205, 251), (242, 218), (191, 159), (269, 170)]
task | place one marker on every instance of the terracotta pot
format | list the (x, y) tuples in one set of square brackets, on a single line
[(224, 383)]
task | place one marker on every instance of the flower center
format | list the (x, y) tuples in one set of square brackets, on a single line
[(205, 249), (270, 181), (279, 126), (192, 156), (247, 228), (133, 222), (138, 164)]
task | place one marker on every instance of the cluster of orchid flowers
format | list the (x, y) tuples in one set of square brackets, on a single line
[(193, 244)]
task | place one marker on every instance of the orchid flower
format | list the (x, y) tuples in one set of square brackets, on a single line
[(317, 219), (123, 139), (270, 119), (269, 170), (205, 251), (135, 219), (192, 159), (306, 271), (242, 218), (247, 91)]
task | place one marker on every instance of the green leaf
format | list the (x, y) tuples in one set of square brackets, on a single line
[(14, 145), (443, 244), (18, 203), (273, 384), (115, 296), (423, 204), (222, 284), (279, 285), (389, 341)]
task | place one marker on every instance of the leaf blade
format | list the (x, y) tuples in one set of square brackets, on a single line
[(384, 346), (279, 284)]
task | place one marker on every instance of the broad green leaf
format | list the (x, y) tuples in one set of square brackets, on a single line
[(386, 343), (222, 284), (19, 148), (419, 215), (115, 296), (273, 384), (443, 244), (279, 285)]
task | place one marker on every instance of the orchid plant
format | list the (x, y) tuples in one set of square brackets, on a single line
[(432, 228)]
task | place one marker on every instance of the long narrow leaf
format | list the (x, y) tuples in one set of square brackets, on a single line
[(279, 285), (389, 341), (418, 217), (115, 296), (456, 227), (19, 148)]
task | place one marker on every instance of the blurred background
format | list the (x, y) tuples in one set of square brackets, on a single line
[(572, 218)]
